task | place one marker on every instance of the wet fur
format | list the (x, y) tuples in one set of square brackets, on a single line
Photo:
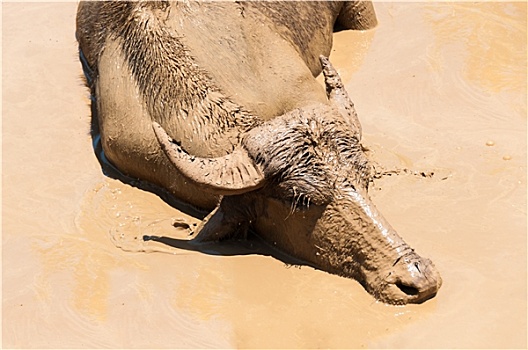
[(306, 153)]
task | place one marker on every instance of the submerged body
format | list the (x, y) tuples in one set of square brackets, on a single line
[(217, 102)]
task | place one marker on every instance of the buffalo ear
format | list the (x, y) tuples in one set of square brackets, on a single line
[(235, 173), (337, 95)]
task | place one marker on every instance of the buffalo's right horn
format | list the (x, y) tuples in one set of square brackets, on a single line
[(232, 174), (338, 96)]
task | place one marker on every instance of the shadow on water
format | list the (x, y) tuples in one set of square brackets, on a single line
[(252, 245)]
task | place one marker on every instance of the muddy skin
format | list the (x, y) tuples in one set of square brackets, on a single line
[(238, 125)]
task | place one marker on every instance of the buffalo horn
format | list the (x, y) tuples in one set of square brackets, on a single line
[(337, 95), (232, 174)]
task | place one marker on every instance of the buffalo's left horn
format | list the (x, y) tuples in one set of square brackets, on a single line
[(232, 174), (337, 95)]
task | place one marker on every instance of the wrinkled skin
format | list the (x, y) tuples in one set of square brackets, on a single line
[(227, 116)]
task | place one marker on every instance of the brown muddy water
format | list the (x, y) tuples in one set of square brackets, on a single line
[(439, 87)]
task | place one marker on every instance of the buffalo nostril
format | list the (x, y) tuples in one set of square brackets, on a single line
[(407, 289)]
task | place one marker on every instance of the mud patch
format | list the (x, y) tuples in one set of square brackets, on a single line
[(127, 218)]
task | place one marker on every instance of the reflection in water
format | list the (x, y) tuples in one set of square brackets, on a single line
[(88, 260), (494, 35), (354, 52)]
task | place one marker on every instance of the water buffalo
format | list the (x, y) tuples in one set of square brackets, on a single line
[(217, 103)]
